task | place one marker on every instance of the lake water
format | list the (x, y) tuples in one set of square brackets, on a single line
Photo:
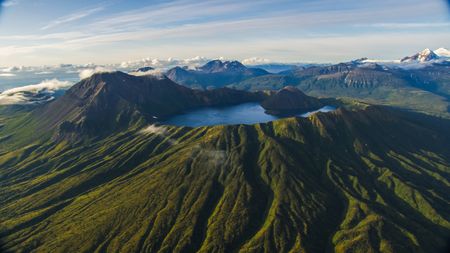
[(247, 113)]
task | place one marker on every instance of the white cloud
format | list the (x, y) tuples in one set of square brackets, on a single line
[(7, 74), (153, 129), (255, 61), (153, 72), (165, 64), (12, 69), (44, 73), (32, 94), (86, 73), (443, 52), (406, 25)]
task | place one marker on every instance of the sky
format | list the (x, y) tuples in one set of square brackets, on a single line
[(47, 32)]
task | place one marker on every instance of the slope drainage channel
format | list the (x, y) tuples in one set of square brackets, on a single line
[(247, 113)]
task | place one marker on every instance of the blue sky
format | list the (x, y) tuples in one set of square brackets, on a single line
[(45, 32)]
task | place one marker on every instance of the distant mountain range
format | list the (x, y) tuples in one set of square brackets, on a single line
[(214, 74), (420, 82)]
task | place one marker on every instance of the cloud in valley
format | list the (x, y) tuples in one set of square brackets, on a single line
[(33, 94), (154, 129)]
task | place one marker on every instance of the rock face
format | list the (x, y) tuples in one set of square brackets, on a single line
[(290, 100)]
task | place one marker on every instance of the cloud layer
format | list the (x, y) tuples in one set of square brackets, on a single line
[(33, 94)]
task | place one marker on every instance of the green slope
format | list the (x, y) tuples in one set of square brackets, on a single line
[(368, 180), (424, 89)]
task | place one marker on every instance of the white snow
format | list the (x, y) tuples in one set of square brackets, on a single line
[(442, 52)]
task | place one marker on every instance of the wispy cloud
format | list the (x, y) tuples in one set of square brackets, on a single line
[(9, 3), (406, 25), (168, 28), (72, 17)]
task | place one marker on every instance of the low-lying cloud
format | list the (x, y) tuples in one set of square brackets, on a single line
[(153, 129), (255, 61), (86, 73), (7, 74), (154, 72), (33, 94), (164, 64)]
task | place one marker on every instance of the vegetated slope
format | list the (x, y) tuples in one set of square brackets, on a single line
[(214, 74), (290, 100), (424, 89), (370, 180)]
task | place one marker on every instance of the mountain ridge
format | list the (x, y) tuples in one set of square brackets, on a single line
[(107, 102), (214, 74), (106, 177), (275, 186)]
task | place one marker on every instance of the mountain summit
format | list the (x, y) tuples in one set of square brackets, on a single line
[(214, 74), (108, 102), (290, 100), (220, 66), (425, 56)]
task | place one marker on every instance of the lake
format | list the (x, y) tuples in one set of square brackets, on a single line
[(247, 113)]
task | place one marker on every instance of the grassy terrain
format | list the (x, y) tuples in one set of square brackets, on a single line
[(366, 180), (424, 90)]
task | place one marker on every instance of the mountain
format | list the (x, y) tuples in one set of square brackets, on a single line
[(143, 69), (425, 56), (290, 100), (277, 67), (218, 66), (108, 102), (371, 179), (214, 74), (93, 170), (423, 87)]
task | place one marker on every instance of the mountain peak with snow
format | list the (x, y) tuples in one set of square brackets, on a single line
[(425, 56)]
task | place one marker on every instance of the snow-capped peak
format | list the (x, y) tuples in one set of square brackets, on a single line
[(442, 52), (425, 56)]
